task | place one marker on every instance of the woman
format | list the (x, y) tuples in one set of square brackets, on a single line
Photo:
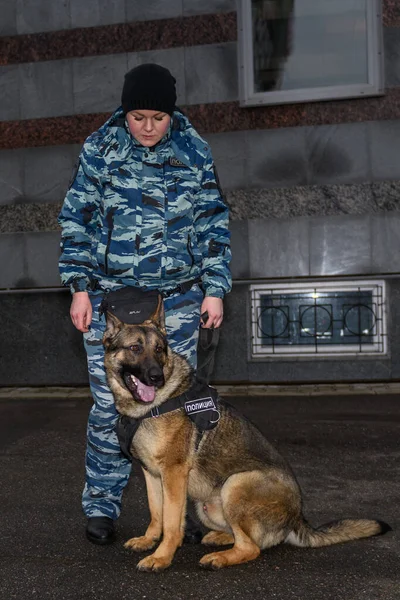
[(144, 209)]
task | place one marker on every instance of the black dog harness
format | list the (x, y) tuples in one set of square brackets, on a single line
[(200, 404)]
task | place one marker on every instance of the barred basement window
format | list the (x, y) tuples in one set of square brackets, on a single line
[(325, 319), (305, 50)]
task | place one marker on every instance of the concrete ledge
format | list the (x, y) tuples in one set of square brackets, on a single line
[(323, 389), (36, 393)]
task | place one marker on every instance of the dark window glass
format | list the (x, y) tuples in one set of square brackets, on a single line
[(319, 319), (307, 44)]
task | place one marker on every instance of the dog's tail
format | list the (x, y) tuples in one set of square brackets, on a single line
[(337, 532)]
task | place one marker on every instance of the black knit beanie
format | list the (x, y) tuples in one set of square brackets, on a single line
[(149, 87)]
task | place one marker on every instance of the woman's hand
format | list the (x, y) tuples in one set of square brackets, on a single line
[(215, 309), (81, 311)]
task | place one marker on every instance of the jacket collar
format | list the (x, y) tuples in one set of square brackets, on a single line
[(181, 137)]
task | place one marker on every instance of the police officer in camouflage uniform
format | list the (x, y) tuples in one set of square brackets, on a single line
[(144, 209)]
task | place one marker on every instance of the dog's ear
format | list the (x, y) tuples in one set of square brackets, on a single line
[(114, 326), (158, 317)]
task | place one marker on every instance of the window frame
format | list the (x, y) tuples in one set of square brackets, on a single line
[(257, 351), (374, 87)]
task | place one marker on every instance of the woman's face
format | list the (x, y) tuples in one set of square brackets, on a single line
[(148, 127)]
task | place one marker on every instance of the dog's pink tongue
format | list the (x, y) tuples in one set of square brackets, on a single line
[(145, 392)]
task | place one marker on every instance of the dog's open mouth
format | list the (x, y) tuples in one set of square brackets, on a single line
[(139, 390)]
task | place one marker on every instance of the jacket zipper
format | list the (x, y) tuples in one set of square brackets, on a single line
[(190, 251), (110, 223), (107, 251)]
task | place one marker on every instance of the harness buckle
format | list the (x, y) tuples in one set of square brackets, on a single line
[(218, 418), (155, 412)]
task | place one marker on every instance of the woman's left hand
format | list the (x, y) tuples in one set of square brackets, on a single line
[(215, 309)]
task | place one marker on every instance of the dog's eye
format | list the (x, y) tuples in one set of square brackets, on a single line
[(159, 349), (135, 348)]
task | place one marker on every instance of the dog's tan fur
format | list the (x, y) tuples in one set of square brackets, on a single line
[(244, 491)]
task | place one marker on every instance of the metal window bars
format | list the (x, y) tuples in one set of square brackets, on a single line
[(325, 319)]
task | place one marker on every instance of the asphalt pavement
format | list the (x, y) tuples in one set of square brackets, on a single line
[(344, 450)]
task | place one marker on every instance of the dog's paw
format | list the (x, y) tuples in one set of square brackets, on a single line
[(233, 556), (215, 560), (218, 538), (151, 563), (140, 544)]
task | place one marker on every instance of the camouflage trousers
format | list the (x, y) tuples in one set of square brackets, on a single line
[(107, 470)]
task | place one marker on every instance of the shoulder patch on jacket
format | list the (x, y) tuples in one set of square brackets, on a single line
[(175, 162)]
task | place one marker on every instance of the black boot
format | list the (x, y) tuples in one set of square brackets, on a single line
[(193, 534), (100, 530)]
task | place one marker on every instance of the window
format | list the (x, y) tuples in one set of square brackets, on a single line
[(324, 319), (304, 50)]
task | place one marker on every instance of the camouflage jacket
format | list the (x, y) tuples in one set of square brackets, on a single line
[(151, 217)]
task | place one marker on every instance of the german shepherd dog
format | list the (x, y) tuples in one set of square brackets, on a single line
[(243, 490)]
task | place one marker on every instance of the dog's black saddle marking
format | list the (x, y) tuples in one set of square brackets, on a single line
[(200, 404)]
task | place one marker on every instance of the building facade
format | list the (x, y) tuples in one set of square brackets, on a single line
[(313, 186)]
